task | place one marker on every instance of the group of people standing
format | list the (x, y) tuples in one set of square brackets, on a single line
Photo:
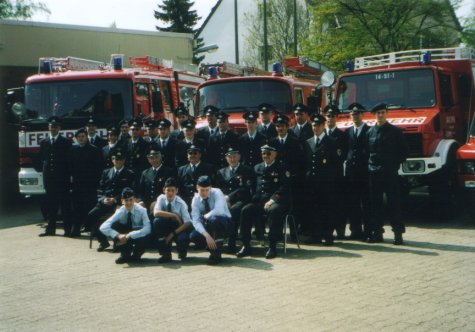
[(206, 185)]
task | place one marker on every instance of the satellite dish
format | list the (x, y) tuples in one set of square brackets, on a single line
[(328, 78)]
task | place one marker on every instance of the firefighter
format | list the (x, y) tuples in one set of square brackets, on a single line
[(152, 133), (219, 142), (250, 142), (321, 159), (181, 114), (137, 149), (211, 113), (387, 150), (341, 137), (236, 182), (271, 199), (356, 173), (266, 127), (86, 166), (112, 145), (181, 148), (93, 136), (54, 151), (302, 129), (124, 135), (165, 143)]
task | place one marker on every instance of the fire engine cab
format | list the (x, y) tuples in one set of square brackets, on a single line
[(76, 89), (234, 88), (466, 161), (430, 95)]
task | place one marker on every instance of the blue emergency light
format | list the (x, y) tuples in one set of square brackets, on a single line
[(276, 68), (117, 62), (426, 58), (46, 67), (213, 72), (350, 66)]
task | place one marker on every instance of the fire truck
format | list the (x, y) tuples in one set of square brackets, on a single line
[(430, 95), (76, 89), (234, 89), (466, 161)]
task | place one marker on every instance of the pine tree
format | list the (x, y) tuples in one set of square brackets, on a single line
[(181, 19)]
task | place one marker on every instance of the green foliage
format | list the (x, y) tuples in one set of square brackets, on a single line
[(20, 9), (181, 19), (345, 29), (468, 33)]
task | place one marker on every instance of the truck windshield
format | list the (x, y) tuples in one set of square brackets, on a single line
[(106, 99), (234, 96), (408, 88)]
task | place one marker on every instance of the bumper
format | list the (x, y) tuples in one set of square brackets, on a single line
[(30, 182)]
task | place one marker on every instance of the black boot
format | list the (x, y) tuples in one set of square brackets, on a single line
[(398, 239)]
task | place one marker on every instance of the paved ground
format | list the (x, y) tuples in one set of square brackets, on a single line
[(59, 284)]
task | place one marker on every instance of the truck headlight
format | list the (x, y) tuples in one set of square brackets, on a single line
[(29, 181), (414, 166), (468, 167)]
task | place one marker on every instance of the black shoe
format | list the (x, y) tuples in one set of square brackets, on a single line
[(271, 253), (378, 238), (76, 232), (182, 255), (231, 249), (398, 239), (103, 246), (47, 233), (245, 251), (122, 260), (313, 240), (356, 236), (214, 260), (165, 259), (328, 241)]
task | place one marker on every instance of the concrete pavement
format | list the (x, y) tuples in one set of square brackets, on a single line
[(59, 284)]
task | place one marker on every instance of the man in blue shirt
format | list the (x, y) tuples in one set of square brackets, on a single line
[(172, 221), (211, 219), (130, 227)]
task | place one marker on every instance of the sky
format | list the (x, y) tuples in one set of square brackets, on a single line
[(127, 14)]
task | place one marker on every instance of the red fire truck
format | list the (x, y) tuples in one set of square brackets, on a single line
[(430, 95), (233, 88), (76, 89), (466, 161)]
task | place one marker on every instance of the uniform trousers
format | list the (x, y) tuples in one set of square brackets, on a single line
[(136, 247), (58, 197), (235, 210), (358, 207), (380, 183), (164, 226), (82, 202), (94, 219), (219, 228), (321, 203)]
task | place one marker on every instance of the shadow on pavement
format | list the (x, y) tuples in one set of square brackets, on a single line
[(405, 249)]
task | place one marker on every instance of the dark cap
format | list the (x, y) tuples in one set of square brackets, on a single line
[(127, 193), (193, 148), (135, 124), (331, 110), (204, 181), (231, 150), (91, 122), (188, 124), (264, 107), (210, 110), (300, 108), (222, 116), (250, 116), (80, 131), (356, 108), (318, 119), (118, 155), (268, 147), (379, 107), (280, 119), (171, 182), (164, 123), (181, 110), (152, 124), (153, 152), (54, 120), (123, 122), (113, 130)]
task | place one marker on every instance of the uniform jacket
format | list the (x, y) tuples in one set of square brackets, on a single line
[(112, 186), (54, 159), (205, 133), (137, 155), (341, 138), (107, 152), (167, 151), (273, 183), (321, 161), (269, 133), (217, 147), (251, 151), (98, 141), (387, 148), (187, 178), (181, 147), (151, 183), (358, 154), (290, 152), (238, 185), (86, 167)]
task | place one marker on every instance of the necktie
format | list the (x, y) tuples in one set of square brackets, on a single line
[(193, 168), (356, 132), (282, 141), (206, 202), (233, 170), (52, 140), (155, 171), (164, 144), (318, 140), (298, 130), (129, 220), (169, 207), (92, 140)]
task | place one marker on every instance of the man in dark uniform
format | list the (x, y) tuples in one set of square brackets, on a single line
[(266, 127), (271, 197), (93, 136), (211, 113), (219, 142), (341, 138), (152, 133), (181, 114), (302, 129), (189, 173), (181, 147), (236, 182), (137, 150), (124, 135), (112, 145), (54, 151), (356, 173), (113, 181), (387, 150), (250, 143), (166, 144), (321, 160), (152, 180), (86, 167)]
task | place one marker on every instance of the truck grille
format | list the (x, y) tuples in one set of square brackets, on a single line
[(414, 143)]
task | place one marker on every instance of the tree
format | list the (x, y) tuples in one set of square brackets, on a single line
[(280, 37), (468, 33), (21, 9), (344, 29), (181, 19)]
